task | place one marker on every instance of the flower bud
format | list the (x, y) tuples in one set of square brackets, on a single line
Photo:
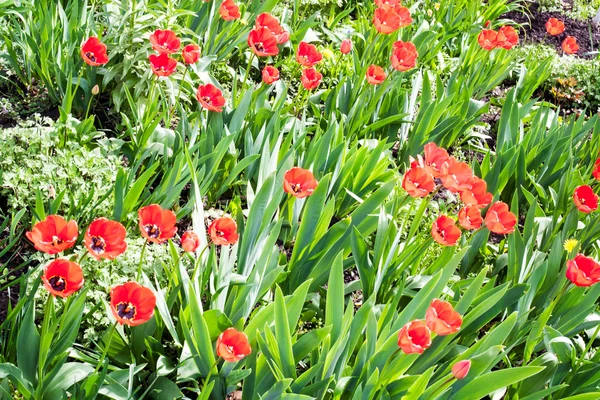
[(95, 90), (461, 369)]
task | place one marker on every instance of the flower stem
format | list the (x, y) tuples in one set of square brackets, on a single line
[(139, 269), (210, 374), (105, 351)]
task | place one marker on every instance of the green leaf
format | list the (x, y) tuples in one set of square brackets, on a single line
[(488, 383)]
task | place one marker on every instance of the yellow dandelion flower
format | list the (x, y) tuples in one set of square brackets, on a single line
[(327, 53), (571, 244)]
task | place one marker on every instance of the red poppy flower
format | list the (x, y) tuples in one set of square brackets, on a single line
[(555, 26), (223, 231), (414, 337), (162, 64), (190, 241), (262, 42), (569, 45), (442, 319), (499, 219), (132, 304), (596, 171), (386, 20), (388, 3), (157, 224), (418, 182), (487, 39), (93, 52), (266, 20), (165, 42), (311, 78), (299, 182), (507, 38), (308, 55), (270, 74), (105, 239), (445, 231), (346, 46), (477, 194), (62, 277), (435, 158), (210, 97), (375, 75), (583, 271), (585, 199), (53, 234), (229, 10), (456, 176), (233, 345), (191, 53), (461, 369), (404, 56), (469, 217)]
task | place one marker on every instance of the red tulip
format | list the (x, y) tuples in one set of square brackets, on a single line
[(262, 42), (62, 277), (404, 56), (346, 46), (375, 75), (165, 42), (469, 217), (270, 74), (190, 241), (311, 78), (555, 26), (487, 39), (477, 194), (191, 53), (132, 304), (596, 171), (223, 231), (583, 271), (229, 10), (299, 182), (105, 239), (162, 64), (507, 37), (266, 20), (585, 199), (499, 219), (53, 234), (442, 319), (93, 52), (418, 182), (388, 3), (233, 345), (308, 55), (456, 176), (461, 369), (157, 224), (569, 45), (210, 97), (445, 231), (435, 158), (414, 337), (386, 20)]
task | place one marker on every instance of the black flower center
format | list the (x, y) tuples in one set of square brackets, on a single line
[(58, 283), (98, 245), (297, 188), (90, 55), (259, 47), (220, 233), (56, 241), (207, 100), (152, 230), (126, 310)]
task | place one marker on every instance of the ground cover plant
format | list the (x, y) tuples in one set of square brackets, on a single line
[(299, 199)]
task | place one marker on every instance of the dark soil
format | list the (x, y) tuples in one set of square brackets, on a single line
[(533, 29)]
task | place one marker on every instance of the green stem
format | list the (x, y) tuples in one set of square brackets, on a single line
[(139, 269), (588, 346), (105, 351), (247, 74), (210, 374), (171, 112)]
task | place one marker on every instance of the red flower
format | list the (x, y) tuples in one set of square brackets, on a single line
[(585, 199), (132, 304), (229, 10), (461, 369), (233, 345), (190, 241), (477, 194), (266, 20), (53, 234), (165, 42), (435, 158), (299, 182), (469, 217), (596, 172), (414, 337), (507, 37), (445, 231), (487, 39), (157, 224), (62, 277), (311, 78), (456, 176), (270, 74), (105, 239), (93, 52), (386, 20), (223, 231), (583, 271), (555, 26), (210, 97), (418, 182), (308, 55), (262, 42), (346, 46), (499, 219), (442, 319), (375, 75), (162, 64), (388, 3), (404, 56), (191, 53), (569, 45)]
